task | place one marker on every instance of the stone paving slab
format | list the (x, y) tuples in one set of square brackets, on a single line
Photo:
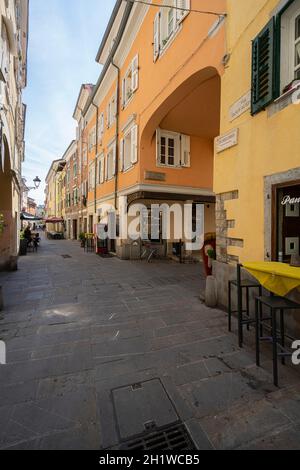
[(78, 328)]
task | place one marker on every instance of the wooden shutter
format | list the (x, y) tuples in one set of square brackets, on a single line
[(108, 116), (122, 155), (114, 159), (185, 150), (158, 137), (115, 99), (181, 6), (123, 92), (156, 36), (106, 167), (263, 59), (134, 144), (135, 73), (102, 175)]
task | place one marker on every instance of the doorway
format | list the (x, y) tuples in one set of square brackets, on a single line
[(75, 229), (286, 221)]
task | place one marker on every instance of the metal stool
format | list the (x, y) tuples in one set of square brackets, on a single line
[(277, 339), (242, 320)]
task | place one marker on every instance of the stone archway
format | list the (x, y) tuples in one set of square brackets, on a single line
[(8, 236)]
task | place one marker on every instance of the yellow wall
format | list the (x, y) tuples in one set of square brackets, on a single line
[(267, 145)]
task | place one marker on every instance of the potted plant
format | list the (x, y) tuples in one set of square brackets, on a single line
[(82, 239)]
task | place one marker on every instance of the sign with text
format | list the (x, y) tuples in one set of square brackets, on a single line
[(227, 141), (240, 106)]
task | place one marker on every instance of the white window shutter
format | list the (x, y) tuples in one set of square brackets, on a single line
[(135, 73), (121, 155), (156, 36), (158, 138), (102, 175), (101, 127), (114, 159), (185, 151), (184, 5), (123, 92), (108, 115), (115, 106), (106, 167), (134, 144)]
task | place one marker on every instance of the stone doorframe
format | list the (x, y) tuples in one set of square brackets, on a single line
[(269, 182)]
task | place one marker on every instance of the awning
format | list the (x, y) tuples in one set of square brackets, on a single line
[(54, 220), (30, 217)]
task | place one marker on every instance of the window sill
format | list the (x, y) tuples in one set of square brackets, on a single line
[(173, 167), (283, 101), (127, 170)]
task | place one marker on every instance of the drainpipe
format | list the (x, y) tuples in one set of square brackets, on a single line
[(95, 182), (117, 133)]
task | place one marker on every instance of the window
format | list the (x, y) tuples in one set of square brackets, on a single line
[(131, 81), (166, 22), (129, 148), (92, 138), (290, 45), (171, 21), (75, 170), (92, 177), (4, 53), (110, 167), (274, 73), (100, 127), (173, 149), (111, 111), (85, 156), (101, 169), (75, 197)]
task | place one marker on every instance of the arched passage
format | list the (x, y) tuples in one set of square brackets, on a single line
[(192, 110), (8, 237)]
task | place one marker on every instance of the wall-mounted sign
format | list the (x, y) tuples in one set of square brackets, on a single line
[(240, 106), (155, 176), (227, 141)]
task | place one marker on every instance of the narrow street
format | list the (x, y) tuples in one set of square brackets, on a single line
[(80, 327)]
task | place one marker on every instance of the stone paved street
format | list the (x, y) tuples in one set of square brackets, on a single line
[(77, 328)]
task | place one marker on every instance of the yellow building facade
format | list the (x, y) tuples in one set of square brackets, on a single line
[(257, 160)]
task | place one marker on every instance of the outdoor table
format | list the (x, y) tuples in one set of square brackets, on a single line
[(279, 278)]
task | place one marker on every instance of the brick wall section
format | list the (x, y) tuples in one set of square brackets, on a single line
[(223, 241)]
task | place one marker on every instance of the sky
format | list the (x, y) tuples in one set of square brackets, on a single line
[(64, 37)]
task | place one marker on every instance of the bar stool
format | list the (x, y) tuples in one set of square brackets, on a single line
[(275, 304), (241, 286)]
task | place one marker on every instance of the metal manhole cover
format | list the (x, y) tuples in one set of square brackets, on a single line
[(143, 407), (66, 256), (174, 438)]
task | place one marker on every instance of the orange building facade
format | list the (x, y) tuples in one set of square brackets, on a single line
[(146, 130)]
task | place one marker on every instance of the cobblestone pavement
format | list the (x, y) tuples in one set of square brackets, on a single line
[(80, 327)]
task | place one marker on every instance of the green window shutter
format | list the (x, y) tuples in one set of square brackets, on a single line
[(263, 60)]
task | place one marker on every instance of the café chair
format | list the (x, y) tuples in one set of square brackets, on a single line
[(275, 304), (243, 314)]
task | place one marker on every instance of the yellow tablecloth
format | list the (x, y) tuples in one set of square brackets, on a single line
[(279, 278)]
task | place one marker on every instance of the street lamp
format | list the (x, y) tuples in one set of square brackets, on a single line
[(37, 182)]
